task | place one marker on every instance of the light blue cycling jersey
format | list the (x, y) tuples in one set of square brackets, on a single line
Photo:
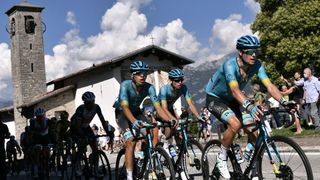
[(228, 75), (129, 97), (166, 95)]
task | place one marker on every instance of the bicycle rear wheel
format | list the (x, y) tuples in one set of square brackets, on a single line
[(100, 165), (191, 159), (288, 158)]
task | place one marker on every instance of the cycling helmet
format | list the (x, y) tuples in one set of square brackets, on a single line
[(248, 42), (39, 112), (139, 66), (176, 73), (88, 96)]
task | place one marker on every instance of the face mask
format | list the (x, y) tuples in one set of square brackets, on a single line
[(305, 76)]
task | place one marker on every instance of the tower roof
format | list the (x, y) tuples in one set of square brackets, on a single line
[(24, 6)]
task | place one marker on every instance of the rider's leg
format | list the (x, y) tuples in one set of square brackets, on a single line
[(233, 127), (130, 146)]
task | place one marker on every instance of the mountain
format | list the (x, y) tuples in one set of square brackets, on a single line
[(4, 103), (197, 78)]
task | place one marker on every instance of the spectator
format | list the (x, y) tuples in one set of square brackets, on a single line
[(95, 129), (274, 106), (110, 134), (286, 92), (4, 134), (311, 87), (12, 148)]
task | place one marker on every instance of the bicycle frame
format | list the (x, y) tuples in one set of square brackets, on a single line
[(150, 149), (183, 145), (261, 142)]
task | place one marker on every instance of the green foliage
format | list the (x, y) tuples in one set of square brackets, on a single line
[(290, 36)]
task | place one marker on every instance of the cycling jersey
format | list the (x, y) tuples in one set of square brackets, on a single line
[(229, 75), (167, 95), (62, 127), (86, 115), (39, 127), (128, 96)]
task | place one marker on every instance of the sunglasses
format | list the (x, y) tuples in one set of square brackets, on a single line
[(250, 51), (139, 73), (178, 80)]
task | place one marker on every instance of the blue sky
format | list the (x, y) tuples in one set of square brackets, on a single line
[(83, 32)]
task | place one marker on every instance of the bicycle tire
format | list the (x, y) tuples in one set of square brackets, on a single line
[(208, 172), (287, 172), (66, 170), (80, 166), (120, 169), (100, 165), (167, 163), (193, 161)]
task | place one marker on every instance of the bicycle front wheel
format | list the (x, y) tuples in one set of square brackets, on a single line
[(290, 162), (162, 166), (100, 165), (191, 159)]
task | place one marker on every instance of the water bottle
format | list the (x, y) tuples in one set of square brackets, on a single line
[(172, 151), (248, 151), (237, 153)]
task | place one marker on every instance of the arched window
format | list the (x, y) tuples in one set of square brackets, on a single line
[(29, 24), (13, 27)]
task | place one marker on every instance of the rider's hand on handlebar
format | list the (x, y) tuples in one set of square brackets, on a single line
[(137, 124), (255, 112), (174, 123)]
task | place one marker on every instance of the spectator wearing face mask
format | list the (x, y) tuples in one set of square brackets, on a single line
[(311, 87)]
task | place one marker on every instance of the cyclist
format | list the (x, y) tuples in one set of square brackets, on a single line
[(132, 93), (225, 96), (81, 119), (62, 132), (39, 133), (169, 94), (12, 148)]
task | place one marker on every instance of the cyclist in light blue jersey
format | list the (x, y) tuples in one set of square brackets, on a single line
[(132, 93), (169, 94), (225, 96)]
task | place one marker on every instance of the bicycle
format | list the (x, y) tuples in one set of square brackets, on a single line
[(187, 163), (285, 164), (95, 165), (153, 165)]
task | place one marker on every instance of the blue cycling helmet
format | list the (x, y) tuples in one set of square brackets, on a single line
[(176, 73), (139, 66), (88, 96), (39, 112), (248, 42)]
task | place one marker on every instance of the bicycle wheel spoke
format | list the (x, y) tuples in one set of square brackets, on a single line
[(294, 162)]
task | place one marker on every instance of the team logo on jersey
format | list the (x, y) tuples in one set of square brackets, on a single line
[(229, 77)]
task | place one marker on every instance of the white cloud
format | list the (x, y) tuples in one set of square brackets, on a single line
[(225, 33), (5, 72), (252, 5), (71, 19)]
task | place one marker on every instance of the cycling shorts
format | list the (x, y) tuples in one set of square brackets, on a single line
[(223, 110), (126, 126)]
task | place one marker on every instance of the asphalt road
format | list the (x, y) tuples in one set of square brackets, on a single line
[(312, 156)]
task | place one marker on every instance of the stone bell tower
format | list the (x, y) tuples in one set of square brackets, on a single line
[(27, 57)]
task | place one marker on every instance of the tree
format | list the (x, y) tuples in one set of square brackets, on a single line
[(290, 36)]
